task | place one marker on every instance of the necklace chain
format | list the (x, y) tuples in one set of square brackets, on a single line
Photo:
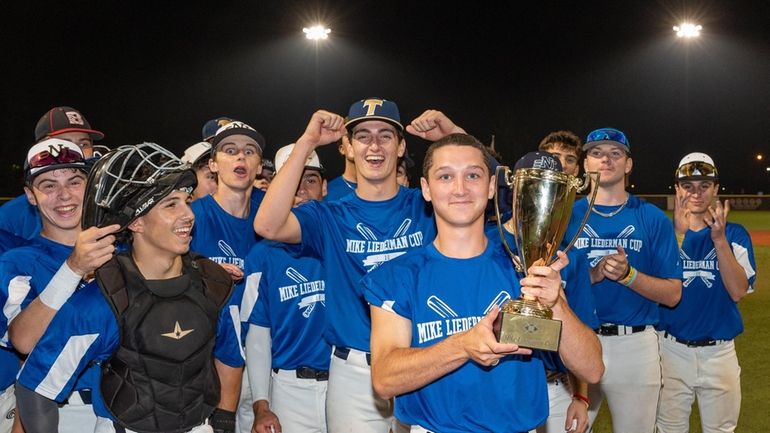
[(613, 213)]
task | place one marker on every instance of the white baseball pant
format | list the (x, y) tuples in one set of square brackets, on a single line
[(299, 404), (559, 398), (351, 403), (711, 374), (7, 409), (631, 381)]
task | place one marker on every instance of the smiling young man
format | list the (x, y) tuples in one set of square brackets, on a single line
[(156, 327), (433, 313), (55, 177), (351, 236), (696, 337), (634, 259), (65, 123)]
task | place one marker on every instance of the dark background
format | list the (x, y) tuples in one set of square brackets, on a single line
[(156, 71)]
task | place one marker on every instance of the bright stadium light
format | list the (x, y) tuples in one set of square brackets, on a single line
[(316, 33), (688, 30)]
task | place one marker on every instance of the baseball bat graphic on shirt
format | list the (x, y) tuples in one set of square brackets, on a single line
[(403, 228), (366, 232), (706, 276), (308, 302), (595, 256), (440, 307), (226, 249), (499, 300)]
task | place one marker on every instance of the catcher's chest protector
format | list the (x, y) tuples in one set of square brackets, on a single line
[(162, 378)]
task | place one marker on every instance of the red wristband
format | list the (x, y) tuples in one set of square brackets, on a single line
[(582, 398)]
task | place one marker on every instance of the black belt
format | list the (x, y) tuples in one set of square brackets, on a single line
[(344, 352), (613, 329), (309, 373), (695, 343)]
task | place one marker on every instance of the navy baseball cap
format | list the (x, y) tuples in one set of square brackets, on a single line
[(607, 136), (374, 109), (60, 120), (542, 160), (237, 128), (210, 128)]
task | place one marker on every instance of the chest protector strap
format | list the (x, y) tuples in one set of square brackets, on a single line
[(162, 377)]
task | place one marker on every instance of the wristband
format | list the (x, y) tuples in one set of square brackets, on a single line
[(222, 421), (60, 288), (582, 398), (630, 277), (680, 239)]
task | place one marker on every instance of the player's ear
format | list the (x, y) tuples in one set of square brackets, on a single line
[(30, 196), (425, 188), (492, 187), (629, 165), (137, 225)]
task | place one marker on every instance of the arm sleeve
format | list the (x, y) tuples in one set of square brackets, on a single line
[(259, 361), (39, 413)]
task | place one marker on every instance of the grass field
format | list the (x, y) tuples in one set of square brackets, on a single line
[(753, 345)]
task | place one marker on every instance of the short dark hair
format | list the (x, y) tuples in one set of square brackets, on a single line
[(566, 139), (456, 140)]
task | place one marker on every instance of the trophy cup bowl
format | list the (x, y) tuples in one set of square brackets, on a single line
[(542, 206)]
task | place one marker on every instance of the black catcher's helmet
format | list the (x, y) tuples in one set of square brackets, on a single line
[(128, 181)]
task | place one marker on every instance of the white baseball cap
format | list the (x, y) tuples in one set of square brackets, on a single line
[(52, 154), (282, 155), (196, 151), (696, 166)]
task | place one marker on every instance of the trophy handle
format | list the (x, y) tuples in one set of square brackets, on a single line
[(580, 185), (507, 176)]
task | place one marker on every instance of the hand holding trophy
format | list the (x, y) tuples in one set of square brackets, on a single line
[(542, 205)]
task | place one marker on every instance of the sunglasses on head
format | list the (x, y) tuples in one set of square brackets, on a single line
[(55, 156), (696, 169), (607, 134)]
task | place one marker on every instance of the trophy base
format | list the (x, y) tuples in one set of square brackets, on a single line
[(536, 330)]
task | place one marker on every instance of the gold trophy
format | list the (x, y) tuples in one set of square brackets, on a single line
[(542, 206)]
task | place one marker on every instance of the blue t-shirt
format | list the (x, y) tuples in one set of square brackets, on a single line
[(577, 288), (20, 218), (287, 295), (9, 241), (442, 296), (706, 310), (75, 340), (647, 236), (21, 282), (221, 237), (24, 273), (352, 236), (338, 188)]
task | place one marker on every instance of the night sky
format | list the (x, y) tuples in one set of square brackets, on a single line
[(156, 71)]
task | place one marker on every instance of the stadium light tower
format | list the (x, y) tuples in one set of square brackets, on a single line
[(317, 32), (688, 30)]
